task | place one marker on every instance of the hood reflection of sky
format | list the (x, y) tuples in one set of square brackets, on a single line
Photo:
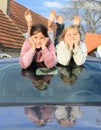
[(12, 117)]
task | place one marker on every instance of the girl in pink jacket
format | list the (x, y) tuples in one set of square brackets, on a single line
[(38, 48)]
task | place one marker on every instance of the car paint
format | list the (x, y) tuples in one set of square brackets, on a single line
[(14, 118)]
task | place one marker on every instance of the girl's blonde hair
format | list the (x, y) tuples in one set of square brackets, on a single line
[(61, 38)]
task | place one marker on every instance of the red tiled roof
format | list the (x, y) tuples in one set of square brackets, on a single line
[(10, 35), (17, 15), (13, 26)]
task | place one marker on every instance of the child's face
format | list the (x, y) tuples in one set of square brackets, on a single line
[(71, 36), (38, 39)]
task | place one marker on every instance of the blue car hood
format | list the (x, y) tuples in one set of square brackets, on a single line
[(14, 118)]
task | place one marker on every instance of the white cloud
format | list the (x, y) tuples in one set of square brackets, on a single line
[(55, 4)]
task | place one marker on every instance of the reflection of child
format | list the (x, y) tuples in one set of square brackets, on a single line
[(70, 73), (41, 82), (40, 114), (34, 114), (37, 47), (67, 115)]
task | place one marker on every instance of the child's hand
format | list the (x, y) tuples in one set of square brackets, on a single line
[(32, 43), (77, 41), (69, 44), (45, 43)]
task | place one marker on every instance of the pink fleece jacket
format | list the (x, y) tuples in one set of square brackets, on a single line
[(47, 55)]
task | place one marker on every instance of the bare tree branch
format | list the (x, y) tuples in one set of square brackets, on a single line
[(89, 12)]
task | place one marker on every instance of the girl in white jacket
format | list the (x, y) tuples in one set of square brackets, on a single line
[(70, 47)]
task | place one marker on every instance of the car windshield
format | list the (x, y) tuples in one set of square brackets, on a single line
[(55, 85)]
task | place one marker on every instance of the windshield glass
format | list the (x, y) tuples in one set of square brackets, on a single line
[(55, 86)]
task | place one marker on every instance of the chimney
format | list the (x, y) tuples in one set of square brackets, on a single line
[(4, 6)]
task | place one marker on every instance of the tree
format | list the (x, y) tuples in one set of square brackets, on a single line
[(88, 10)]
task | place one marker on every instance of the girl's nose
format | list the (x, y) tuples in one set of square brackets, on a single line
[(38, 40)]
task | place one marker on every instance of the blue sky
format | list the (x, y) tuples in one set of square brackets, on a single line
[(42, 7)]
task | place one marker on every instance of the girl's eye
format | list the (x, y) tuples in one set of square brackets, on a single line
[(38, 37), (75, 34), (69, 35), (35, 37), (42, 38)]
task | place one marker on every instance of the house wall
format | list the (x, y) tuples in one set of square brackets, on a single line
[(4, 6)]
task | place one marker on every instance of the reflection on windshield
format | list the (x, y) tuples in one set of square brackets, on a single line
[(69, 74), (40, 77), (64, 115)]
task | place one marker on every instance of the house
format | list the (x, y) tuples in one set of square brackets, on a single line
[(13, 24), (92, 40)]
